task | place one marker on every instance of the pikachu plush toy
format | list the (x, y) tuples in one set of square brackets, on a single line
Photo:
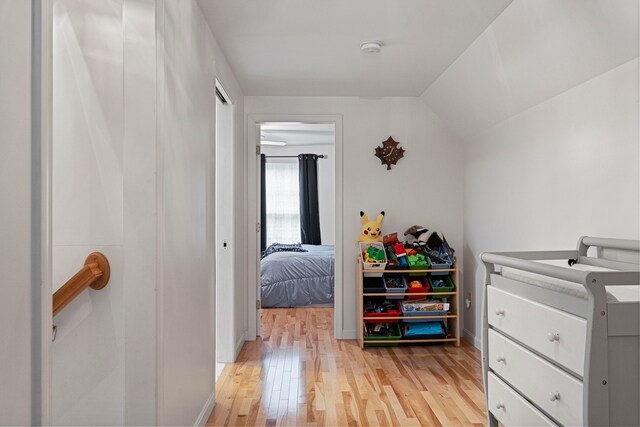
[(371, 230)]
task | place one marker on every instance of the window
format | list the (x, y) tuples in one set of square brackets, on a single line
[(283, 201)]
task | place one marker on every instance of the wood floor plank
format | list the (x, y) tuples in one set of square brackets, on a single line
[(299, 374)]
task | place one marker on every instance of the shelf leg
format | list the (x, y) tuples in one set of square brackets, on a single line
[(458, 311), (360, 312)]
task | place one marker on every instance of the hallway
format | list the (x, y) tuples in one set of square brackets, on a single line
[(298, 374)]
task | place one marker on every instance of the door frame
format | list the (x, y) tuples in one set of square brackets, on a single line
[(42, 120), (253, 213)]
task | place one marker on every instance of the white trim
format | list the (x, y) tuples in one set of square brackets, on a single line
[(160, 110), (239, 345), (469, 336), (46, 296), (349, 334), (253, 215), (205, 413), (220, 86), (211, 212)]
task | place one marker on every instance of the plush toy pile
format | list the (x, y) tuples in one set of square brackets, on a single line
[(419, 243), (430, 242)]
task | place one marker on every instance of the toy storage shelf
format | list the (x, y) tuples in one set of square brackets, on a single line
[(444, 270), (444, 316), (403, 341), (452, 318), (415, 294)]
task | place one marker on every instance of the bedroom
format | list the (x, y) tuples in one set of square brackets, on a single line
[(297, 209), (468, 255)]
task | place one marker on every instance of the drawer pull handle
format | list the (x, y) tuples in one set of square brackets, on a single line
[(554, 395), (553, 336), (499, 311), (501, 358), (499, 405)]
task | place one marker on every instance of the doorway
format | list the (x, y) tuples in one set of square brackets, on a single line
[(299, 231)]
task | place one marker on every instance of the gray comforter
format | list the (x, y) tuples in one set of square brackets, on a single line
[(298, 279)]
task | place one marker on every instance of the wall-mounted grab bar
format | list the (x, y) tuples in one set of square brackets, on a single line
[(95, 273)]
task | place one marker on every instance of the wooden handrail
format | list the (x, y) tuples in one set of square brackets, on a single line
[(95, 273)]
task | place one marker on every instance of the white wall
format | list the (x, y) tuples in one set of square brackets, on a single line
[(326, 183), (238, 239), (140, 212), (140, 351), (17, 319), (186, 117), (403, 192), (87, 202), (565, 168), (191, 61), (551, 136)]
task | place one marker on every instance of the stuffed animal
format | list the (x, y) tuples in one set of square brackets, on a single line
[(371, 230), (429, 241), (421, 236)]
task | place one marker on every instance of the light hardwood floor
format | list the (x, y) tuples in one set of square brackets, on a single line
[(299, 374)]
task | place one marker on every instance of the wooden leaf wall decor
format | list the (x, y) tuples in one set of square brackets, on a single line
[(389, 153)]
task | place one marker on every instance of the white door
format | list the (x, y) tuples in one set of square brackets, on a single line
[(225, 242)]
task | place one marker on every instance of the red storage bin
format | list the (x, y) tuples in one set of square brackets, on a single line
[(422, 289), (371, 317)]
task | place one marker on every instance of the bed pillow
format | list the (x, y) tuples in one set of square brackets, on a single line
[(282, 247)]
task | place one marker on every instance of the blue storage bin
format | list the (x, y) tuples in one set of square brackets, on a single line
[(424, 330), (441, 266), (408, 310), (390, 279)]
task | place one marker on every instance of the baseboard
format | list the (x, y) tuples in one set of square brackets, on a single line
[(471, 338), (206, 410), (239, 345), (349, 334)]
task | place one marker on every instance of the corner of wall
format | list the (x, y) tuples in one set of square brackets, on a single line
[(471, 338), (239, 345), (204, 415), (349, 334)]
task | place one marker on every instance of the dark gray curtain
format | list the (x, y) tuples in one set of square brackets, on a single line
[(309, 210), (263, 203)]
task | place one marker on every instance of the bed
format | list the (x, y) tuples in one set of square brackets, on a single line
[(561, 335), (298, 279)]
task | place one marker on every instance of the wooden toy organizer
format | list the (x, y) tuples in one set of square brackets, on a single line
[(451, 319)]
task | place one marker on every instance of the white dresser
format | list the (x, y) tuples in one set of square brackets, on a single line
[(557, 347), (536, 354)]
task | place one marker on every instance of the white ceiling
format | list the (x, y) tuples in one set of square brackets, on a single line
[(298, 133), (532, 52), (311, 47)]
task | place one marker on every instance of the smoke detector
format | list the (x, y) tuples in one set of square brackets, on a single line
[(371, 46)]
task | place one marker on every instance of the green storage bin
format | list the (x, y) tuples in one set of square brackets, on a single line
[(375, 341), (425, 266), (449, 286)]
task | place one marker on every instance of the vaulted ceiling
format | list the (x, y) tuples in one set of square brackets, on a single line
[(533, 51), (311, 47), (475, 63)]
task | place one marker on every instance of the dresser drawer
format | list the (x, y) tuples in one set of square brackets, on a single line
[(558, 335), (555, 391), (510, 408)]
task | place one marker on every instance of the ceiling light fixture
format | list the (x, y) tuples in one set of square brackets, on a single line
[(278, 143), (371, 46)]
